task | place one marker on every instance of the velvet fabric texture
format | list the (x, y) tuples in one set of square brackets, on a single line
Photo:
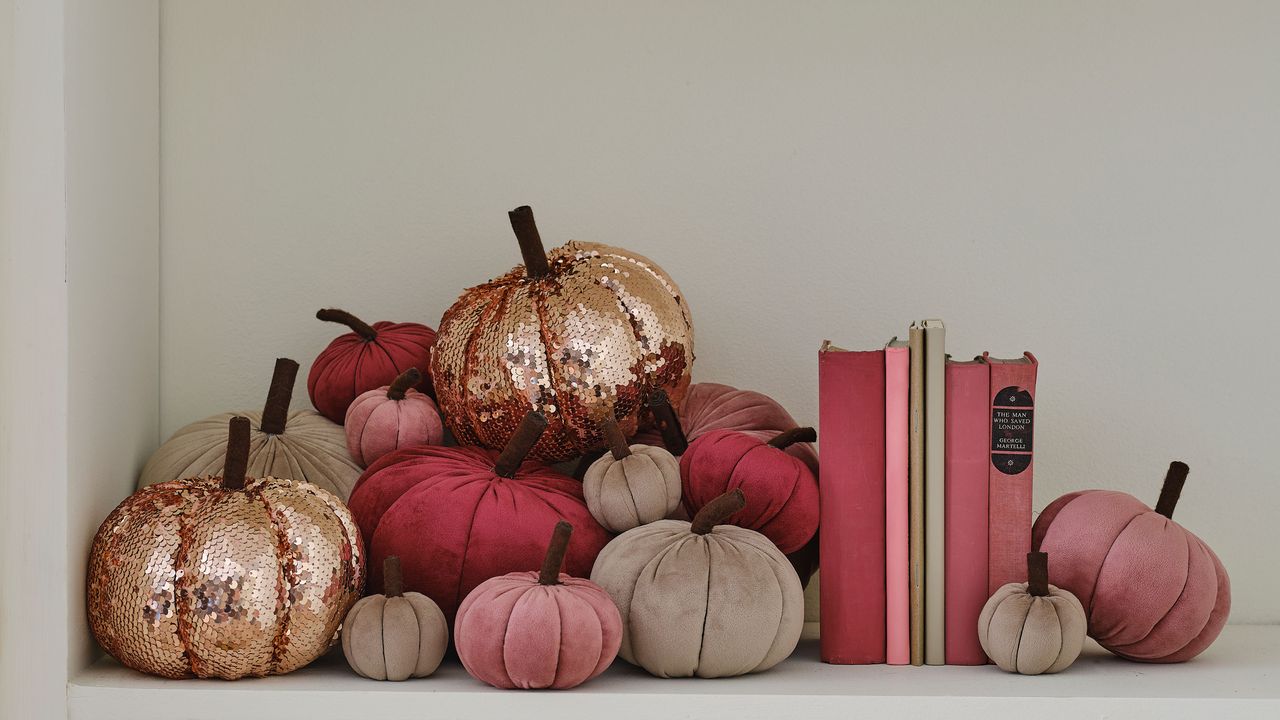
[(377, 424), (455, 523), (513, 632), (640, 488), (1031, 634), (1152, 590), (781, 491), (353, 364), (395, 638), (715, 605)]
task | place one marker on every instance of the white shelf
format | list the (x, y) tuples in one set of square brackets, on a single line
[(1239, 677)]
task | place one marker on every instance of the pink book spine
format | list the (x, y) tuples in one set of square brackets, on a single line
[(968, 437), (897, 382), (1013, 389), (851, 447)]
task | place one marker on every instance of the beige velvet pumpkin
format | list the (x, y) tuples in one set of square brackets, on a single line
[(701, 599), (1032, 627), (631, 485), (397, 635), (302, 445)]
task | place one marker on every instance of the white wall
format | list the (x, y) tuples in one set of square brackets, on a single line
[(1096, 182)]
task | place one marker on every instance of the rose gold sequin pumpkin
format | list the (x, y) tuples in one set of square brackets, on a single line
[(218, 577), (585, 328)]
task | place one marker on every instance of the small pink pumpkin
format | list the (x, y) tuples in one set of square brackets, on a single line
[(392, 417), (534, 630), (1153, 591)]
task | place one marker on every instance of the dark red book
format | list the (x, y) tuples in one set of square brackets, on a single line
[(1012, 411), (968, 439)]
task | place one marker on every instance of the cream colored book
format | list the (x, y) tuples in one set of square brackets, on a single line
[(935, 410)]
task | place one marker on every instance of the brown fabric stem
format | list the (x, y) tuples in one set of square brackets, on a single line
[(1038, 573), (535, 256), (554, 559), (717, 511), (668, 422), (1172, 488), (392, 577), (405, 380), (615, 439), (787, 438), (275, 414), (237, 461), (358, 326), (521, 442)]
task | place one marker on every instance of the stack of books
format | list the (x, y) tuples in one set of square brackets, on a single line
[(926, 496)]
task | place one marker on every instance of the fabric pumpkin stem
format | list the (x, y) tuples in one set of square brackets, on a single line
[(787, 438), (559, 545), (668, 422), (521, 442), (275, 414), (392, 577), (358, 326), (615, 439), (405, 380), (535, 255), (237, 462), (1038, 573), (1172, 488), (717, 511)]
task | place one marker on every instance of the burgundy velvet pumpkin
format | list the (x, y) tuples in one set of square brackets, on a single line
[(458, 516), (1153, 591), (534, 630), (782, 493), (364, 359), (392, 417)]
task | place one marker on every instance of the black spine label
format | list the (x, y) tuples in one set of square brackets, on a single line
[(1012, 417)]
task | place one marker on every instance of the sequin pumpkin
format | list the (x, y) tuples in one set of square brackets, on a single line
[(601, 330)]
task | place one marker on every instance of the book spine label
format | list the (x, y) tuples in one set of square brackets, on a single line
[(1013, 389), (852, 494), (968, 442), (916, 500), (897, 381), (934, 495)]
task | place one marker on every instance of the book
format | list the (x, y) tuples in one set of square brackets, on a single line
[(897, 383), (915, 501), (1013, 389), (852, 501), (968, 443), (934, 491)]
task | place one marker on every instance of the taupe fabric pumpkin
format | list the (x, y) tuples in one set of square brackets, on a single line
[(395, 636), (1032, 627), (702, 599), (631, 485), (302, 445)]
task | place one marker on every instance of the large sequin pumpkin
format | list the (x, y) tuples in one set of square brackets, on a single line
[(1153, 591), (223, 577), (569, 333), (457, 516)]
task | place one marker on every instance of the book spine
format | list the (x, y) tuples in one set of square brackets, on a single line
[(897, 381), (968, 439), (916, 499), (934, 495), (852, 500), (1013, 389)]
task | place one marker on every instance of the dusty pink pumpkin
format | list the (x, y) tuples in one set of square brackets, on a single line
[(392, 417), (534, 630), (1152, 590)]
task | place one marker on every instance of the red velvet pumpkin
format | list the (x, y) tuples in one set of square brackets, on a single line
[(364, 359), (1153, 591), (782, 493), (534, 630), (458, 516)]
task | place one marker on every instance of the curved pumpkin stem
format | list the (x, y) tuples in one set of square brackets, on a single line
[(614, 438), (554, 559), (405, 380), (392, 577), (535, 256), (358, 326), (717, 511), (237, 462), (275, 414), (1038, 573), (521, 442), (787, 438), (1172, 488), (668, 422)]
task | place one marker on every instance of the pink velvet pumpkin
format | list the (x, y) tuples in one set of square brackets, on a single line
[(366, 358), (458, 516), (782, 493), (392, 417), (534, 630), (1153, 591)]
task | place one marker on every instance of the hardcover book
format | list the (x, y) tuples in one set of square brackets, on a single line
[(916, 500), (968, 443), (934, 491), (897, 382), (1012, 414)]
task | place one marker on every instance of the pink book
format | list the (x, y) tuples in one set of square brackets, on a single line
[(897, 385), (968, 439), (1013, 389), (852, 500)]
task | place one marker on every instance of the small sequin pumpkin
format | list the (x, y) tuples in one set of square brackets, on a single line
[(569, 333), (223, 577)]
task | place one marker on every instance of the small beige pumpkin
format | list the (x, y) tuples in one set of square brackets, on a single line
[(1032, 627), (395, 636), (631, 485)]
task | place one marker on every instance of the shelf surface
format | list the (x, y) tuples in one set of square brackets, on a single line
[(1240, 675)]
